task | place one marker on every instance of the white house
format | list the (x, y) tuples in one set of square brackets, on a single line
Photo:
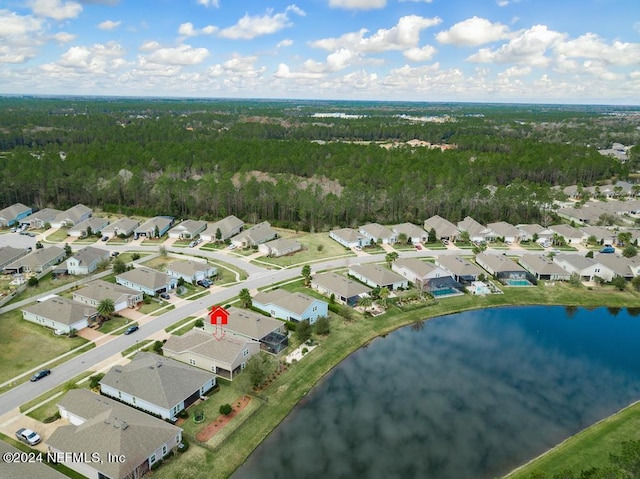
[(123, 226), (96, 291), (158, 385), (191, 271), (228, 227), (375, 275), (188, 229), (344, 290), (60, 314), (147, 280), (254, 236), (413, 232), (95, 225), (75, 214), (280, 247), (290, 306), (86, 260), (377, 233), (348, 237), (100, 425)]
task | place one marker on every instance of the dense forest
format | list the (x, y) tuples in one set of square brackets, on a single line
[(279, 161)]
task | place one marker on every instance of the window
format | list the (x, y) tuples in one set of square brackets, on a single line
[(192, 361), (315, 308), (164, 450), (153, 459), (245, 352), (272, 312), (213, 368), (243, 365)]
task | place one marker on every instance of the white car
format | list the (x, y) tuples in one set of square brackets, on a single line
[(28, 436), (231, 246)]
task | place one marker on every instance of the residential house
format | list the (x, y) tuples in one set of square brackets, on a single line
[(270, 333), (445, 229), (93, 225), (254, 236), (477, 232), (348, 237), (153, 227), (8, 255), (378, 276), (504, 269), (570, 234), (225, 355), (586, 268), (583, 216), (229, 226), (427, 276), (32, 470), (291, 306), (505, 230), (601, 234), (343, 290), (36, 261), (96, 291), (376, 233), (13, 214), (60, 314), (102, 426), (543, 268), (160, 386), (280, 247), (191, 271), (122, 227), (463, 270), (414, 233), (72, 216), (188, 229), (147, 280), (40, 218), (621, 266), (529, 231), (86, 260)]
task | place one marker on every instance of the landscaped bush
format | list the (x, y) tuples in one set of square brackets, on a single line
[(226, 409), (53, 418), (183, 446), (183, 414), (198, 323), (290, 325), (94, 381)]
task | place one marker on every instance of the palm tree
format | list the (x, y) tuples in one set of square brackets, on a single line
[(245, 298), (391, 257), (106, 308), (306, 274), (365, 302)]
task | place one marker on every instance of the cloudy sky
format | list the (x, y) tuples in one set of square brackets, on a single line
[(561, 51)]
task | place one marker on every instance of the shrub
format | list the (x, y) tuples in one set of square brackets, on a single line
[(322, 325), (290, 325), (135, 256), (226, 409), (94, 381), (33, 281), (183, 446), (183, 414), (198, 323)]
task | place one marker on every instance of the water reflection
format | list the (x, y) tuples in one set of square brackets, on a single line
[(468, 396)]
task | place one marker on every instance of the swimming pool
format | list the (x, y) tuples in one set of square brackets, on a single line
[(444, 292), (517, 282)]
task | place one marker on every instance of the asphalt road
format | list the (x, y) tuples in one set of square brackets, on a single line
[(258, 277)]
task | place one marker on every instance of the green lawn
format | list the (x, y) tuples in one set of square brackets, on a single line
[(213, 246), (589, 448), (317, 246), (18, 336), (346, 337), (58, 236), (114, 323), (45, 284)]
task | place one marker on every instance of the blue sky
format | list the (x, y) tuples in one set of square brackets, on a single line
[(562, 51)]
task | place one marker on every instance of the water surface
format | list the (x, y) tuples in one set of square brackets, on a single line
[(469, 395)]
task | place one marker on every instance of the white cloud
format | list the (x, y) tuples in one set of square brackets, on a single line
[(19, 36), (592, 46), (56, 9), (13, 24), (96, 59), (420, 54), (213, 3), (249, 27), (515, 72), (284, 71), (357, 4), (64, 37), (528, 48), (109, 25), (473, 32), (182, 55), (285, 43), (405, 34), (187, 30)]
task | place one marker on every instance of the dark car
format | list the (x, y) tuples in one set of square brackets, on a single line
[(40, 374), (205, 283), (104, 238), (165, 296), (131, 329), (28, 436)]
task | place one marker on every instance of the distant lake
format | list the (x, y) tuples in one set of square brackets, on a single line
[(471, 395)]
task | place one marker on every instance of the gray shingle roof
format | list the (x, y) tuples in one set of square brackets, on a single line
[(377, 274), (156, 379), (38, 257), (295, 302), (99, 290), (252, 325), (110, 427), (226, 225), (89, 254), (442, 226), (147, 277), (459, 266), (543, 265), (498, 263), (375, 230), (11, 212), (416, 266), (189, 267), (224, 350), (347, 234), (62, 310), (340, 285)]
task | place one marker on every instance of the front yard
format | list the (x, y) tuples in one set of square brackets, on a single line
[(316, 247)]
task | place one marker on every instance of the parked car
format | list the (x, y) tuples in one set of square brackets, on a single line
[(40, 374), (28, 436), (31, 235), (205, 283), (231, 246), (357, 248), (165, 296), (104, 238), (193, 243), (445, 242), (608, 249), (418, 246), (114, 253), (131, 329)]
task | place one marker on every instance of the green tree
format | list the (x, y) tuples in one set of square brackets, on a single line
[(162, 251), (39, 245), (33, 281), (225, 409), (67, 250), (118, 266), (198, 323), (303, 330), (619, 283), (106, 308), (322, 325), (245, 298), (432, 237), (258, 368), (589, 254), (306, 274), (391, 257), (384, 295), (635, 282), (624, 238), (403, 239), (365, 302), (218, 235), (629, 251)]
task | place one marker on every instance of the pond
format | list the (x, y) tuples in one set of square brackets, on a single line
[(470, 395)]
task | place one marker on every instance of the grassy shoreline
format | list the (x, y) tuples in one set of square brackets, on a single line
[(347, 337)]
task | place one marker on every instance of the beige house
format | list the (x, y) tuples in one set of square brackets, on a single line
[(60, 314), (223, 354), (280, 247), (96, 291), (37, 261), (254, 236), (191, 271), (229, 226), (344, 290)]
